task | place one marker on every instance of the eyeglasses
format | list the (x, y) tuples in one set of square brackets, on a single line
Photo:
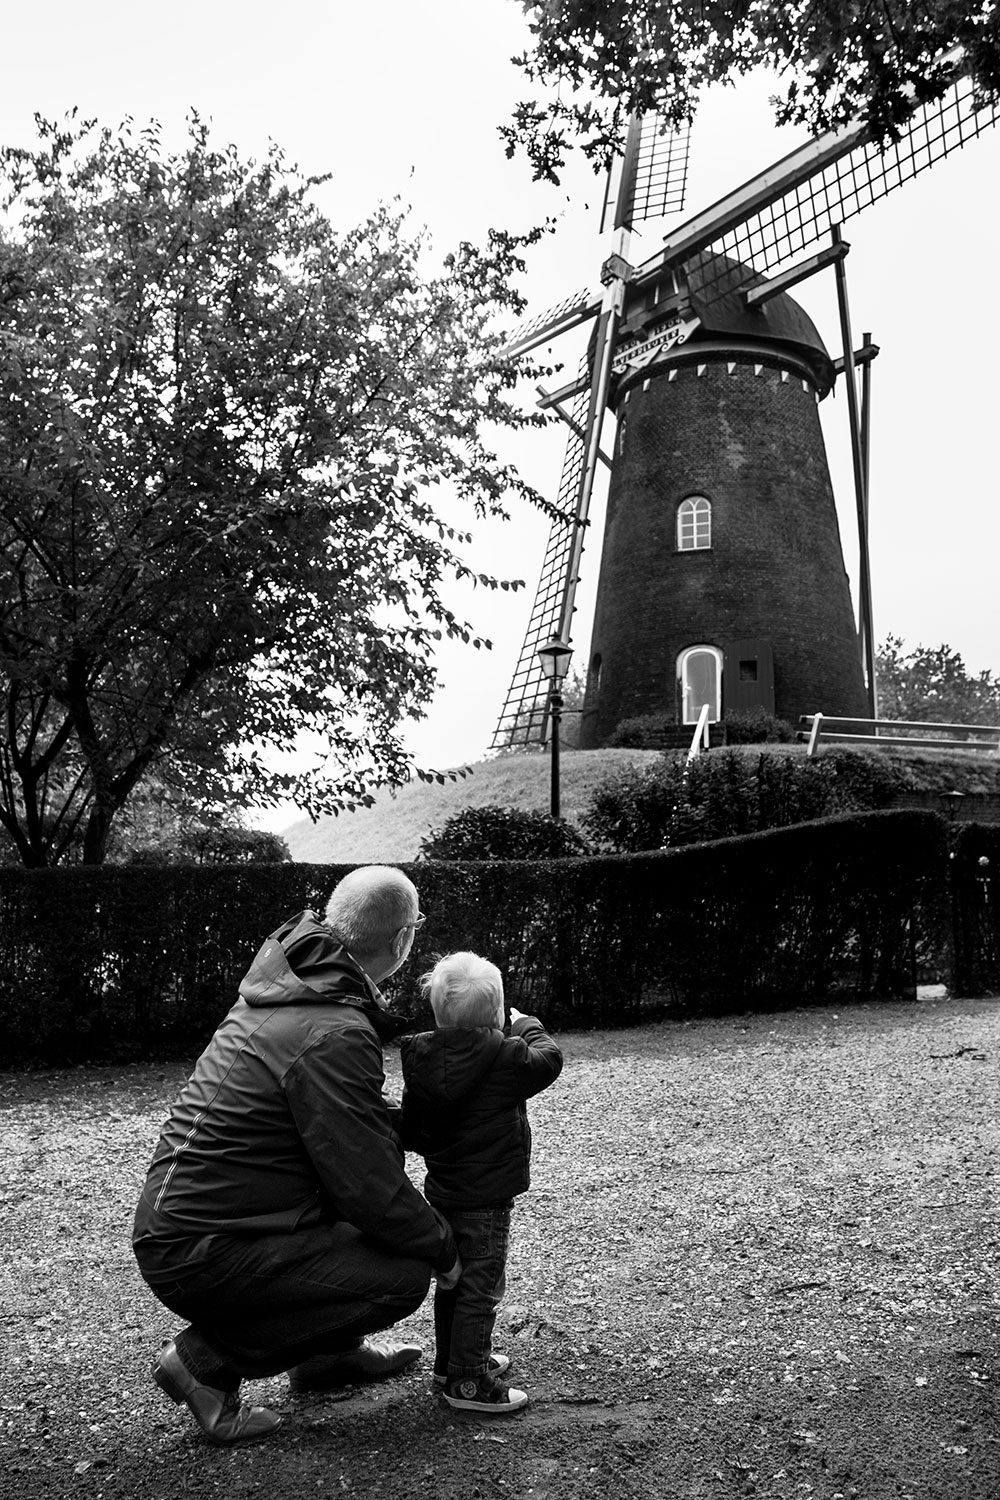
[(421, 919)]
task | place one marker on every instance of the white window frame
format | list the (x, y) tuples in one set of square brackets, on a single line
[(689, 709), (694, 524)]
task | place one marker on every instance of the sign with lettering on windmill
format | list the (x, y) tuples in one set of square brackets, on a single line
[(636, 353)]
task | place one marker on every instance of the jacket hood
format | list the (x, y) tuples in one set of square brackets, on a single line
[(445, 1065), (301, 963)]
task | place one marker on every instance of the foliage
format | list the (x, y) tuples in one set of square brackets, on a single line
[(220, 423), (731, 792), (755, 726), (99, 962), (494, 832), (932, 684), (602, 59)]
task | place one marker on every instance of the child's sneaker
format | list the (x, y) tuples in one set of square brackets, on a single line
[(486, 1395), (498, 1363)]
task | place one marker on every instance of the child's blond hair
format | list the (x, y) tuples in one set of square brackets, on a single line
[(464, 990)]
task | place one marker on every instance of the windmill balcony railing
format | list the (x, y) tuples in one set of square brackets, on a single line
[(846, 731)]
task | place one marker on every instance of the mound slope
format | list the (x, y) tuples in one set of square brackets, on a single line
[(393, 828)]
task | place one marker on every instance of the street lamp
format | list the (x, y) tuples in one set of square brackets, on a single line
[(554, 657)]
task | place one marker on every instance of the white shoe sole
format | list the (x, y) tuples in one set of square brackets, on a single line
[(516, 1401)]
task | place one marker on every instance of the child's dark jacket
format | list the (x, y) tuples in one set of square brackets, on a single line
[(464, 1108)]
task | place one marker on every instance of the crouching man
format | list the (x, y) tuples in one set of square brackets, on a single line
[(276, 1218)]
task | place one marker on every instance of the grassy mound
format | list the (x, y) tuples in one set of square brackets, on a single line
[(393, 828)]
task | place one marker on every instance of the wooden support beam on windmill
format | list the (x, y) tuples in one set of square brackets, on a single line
[(551, 403), (859, 463), (756, 296)]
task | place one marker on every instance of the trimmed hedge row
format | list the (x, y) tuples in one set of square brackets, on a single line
[(144, 962), (844, 906)]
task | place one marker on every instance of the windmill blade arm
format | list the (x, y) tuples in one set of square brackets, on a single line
[(558, 320)]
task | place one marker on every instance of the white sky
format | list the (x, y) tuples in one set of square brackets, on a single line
[(404, 98)]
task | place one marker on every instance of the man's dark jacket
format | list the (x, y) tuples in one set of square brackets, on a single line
[(464, 1109), (283, 1123)]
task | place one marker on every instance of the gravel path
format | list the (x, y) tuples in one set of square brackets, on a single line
[(760, 1258)]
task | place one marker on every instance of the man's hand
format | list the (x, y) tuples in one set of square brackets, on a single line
[(448, 1280)]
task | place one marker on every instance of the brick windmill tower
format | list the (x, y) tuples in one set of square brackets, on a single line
[(723, 579), (722, 576)]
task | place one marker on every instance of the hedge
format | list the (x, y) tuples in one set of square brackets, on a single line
[(974, 887), (124, 963), (121, 961)]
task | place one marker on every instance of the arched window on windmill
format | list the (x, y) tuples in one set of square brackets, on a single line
[(694, 524), (699, 676)]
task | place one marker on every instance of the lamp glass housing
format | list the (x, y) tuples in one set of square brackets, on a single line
[(554, 657)]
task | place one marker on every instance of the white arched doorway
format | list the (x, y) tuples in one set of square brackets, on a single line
[(699, 672)]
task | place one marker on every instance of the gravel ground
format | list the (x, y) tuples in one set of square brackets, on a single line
[(760, 1258)]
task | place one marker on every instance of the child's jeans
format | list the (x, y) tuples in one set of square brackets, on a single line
[(464, 1317)]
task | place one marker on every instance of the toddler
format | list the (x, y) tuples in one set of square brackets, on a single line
[(465, 1086)]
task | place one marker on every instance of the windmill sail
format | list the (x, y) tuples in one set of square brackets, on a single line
[(524, 719), (654, 180), (793, 206), (752, 232), (557, 320)]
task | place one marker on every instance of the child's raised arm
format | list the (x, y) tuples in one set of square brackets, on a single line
[(539, 1061)]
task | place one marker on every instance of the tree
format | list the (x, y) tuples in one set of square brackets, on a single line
[(931, 684), (837, 60), (220, 423)]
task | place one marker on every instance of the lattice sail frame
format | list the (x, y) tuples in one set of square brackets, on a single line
[(525, 715), (763, 227), (800, 219), (652, 182)]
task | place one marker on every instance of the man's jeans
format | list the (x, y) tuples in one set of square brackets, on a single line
[(261, 1304), (464, 1317)]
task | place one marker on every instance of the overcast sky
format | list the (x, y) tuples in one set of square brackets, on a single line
[(403, 98)]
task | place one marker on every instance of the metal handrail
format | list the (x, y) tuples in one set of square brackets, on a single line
[(818, 725), (700, 734)]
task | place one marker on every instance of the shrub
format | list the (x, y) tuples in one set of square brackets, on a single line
[(731, 792), (494, 832), (222, 845), (755, 726), (645, 732)]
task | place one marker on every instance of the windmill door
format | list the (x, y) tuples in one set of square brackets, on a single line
[(748, 676)]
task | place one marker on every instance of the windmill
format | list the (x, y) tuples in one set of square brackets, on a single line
[(650, 321)]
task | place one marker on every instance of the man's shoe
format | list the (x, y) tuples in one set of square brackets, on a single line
[(486, 1395), (367, 1362), (497, 1365), (222, 1417)]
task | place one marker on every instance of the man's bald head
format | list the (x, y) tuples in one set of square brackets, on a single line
[(369, 907)]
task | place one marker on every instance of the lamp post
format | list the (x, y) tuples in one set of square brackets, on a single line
[(554, 657)]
